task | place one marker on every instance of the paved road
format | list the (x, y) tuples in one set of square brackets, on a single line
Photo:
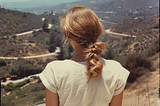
[(108, 31), (37, 56), (19, 80), (28, 32)]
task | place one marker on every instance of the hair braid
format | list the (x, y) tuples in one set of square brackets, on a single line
[(94, 65)]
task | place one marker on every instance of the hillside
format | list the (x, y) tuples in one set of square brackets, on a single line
[(98, 5), (138, 55), (146, 31), (12, 22), (141, 93), (144, 92), (136, 26), (122, 5)]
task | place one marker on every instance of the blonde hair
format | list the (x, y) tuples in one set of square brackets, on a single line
[(82, 25)]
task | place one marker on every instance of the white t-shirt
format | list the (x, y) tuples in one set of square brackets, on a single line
[(68, 79)]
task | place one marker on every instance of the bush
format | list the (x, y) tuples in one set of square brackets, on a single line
[(37, 87), (2, 86), (10, 86), (125, 44), (138, 65), (153, 49), (4, 77), (20, 40), (2, 62), (21, 92), (31, 41), (1, 78), (14, 36), (6, 103), (23, 83), (137, 60), (39, 97)]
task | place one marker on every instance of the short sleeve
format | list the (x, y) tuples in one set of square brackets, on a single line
[(48, 78), (121, 80)]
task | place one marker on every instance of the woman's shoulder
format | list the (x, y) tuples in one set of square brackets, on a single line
[(63, 65), (110, 62), (113, 66), (57, 63)]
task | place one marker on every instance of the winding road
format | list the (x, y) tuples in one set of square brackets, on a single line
[(108, 31), (37, 56), (57, 49), (19, 80)]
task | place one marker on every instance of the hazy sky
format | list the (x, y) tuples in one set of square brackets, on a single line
[(30, 0), (13, 0), (22, 4)]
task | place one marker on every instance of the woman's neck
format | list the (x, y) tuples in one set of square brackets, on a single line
[(79, 55), (78, 58)]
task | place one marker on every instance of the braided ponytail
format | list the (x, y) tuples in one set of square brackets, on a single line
[(94, 65)]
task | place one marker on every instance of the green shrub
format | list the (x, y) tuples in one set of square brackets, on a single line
[(23, 83), (7, 75), (137, 60), (7, 103), (136, 45), (37, 87), (14, 36), (39, 97), (138, 65), (2, 62), (125, 44), (1, 78), (22, 92), (20, 40), (10, 86), (2, 86), (31, 41)]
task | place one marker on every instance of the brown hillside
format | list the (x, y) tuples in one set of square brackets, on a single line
[(148, 32), (26, 45), (144, 92), (136, 26)]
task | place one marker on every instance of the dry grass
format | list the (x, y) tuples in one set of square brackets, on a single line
[(143, 92)]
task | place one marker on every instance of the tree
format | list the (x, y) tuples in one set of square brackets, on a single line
[(45, 25), (51, 12), (61, 54), (109, 54), (24, 15), (53, 20), (20, 68), (2, 63), (10, 86), (52, 48)]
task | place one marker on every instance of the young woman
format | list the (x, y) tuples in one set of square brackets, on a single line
[(86, 79)]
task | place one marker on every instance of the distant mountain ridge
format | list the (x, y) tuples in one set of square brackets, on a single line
[(102, 5), (32, 4), (121, 5)]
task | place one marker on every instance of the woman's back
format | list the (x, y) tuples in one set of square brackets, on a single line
[(95, 82), (68, 79)]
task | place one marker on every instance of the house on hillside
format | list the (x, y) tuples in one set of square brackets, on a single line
[(139, 17)]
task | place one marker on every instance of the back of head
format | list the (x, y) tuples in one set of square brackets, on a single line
[(82, 25)]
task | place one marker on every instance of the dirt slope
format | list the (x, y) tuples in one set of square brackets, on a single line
[(144, 92)]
